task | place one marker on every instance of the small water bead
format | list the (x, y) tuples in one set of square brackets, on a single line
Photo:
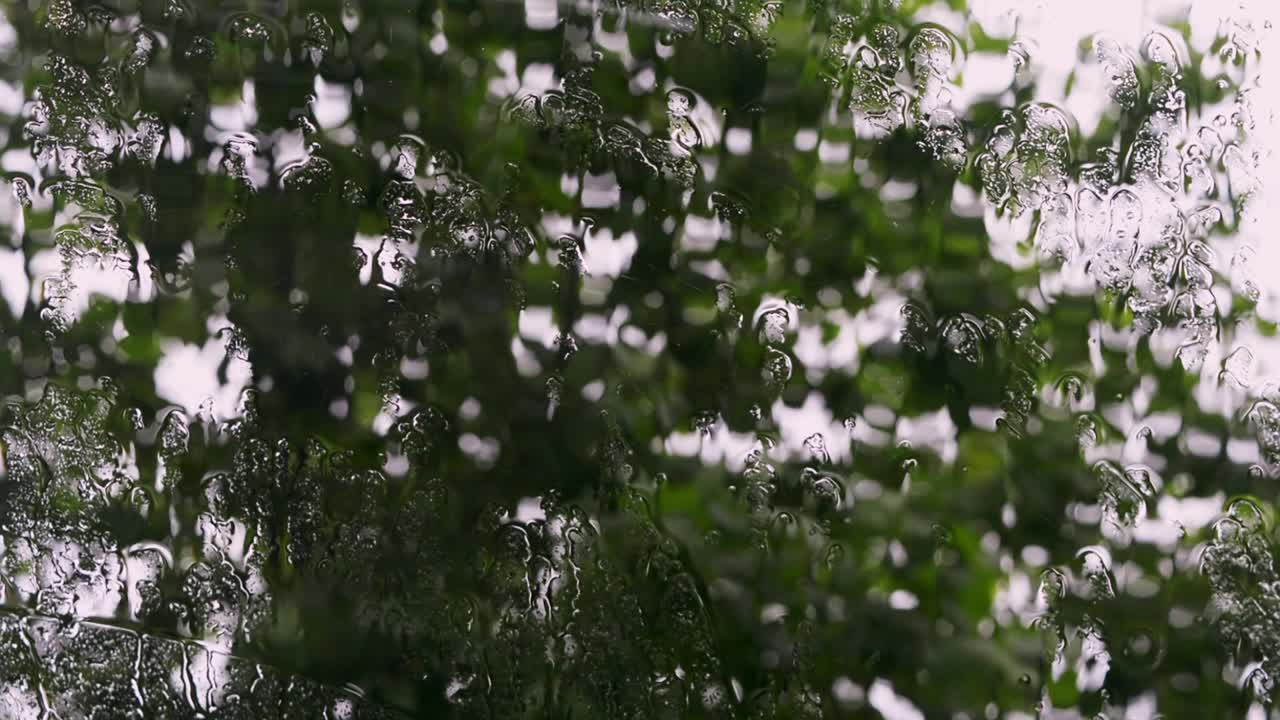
[(404, 208), (964, 337), (731, 208), (175, 433), (907, 467), (1091, 218), (1152, 283), (816, 445), (782, 526), (1123, 504), (22, 192), (773, 325), (918, 327), (141, 52), (776, 371), (882, 107), (319, 37), (1260, 684), (1119, 69), (147, 204), (1053, 588), (826, 494), (850, 425), (726, 297), (1161, 49), (704, 422), (945, 141), (176, 10), (1097, 574), (680, 103), (941, 534), (64, 18), (1055, 236), (554, 391), (408, 155), (1112, 266), (1265, 417), (932, 52), (201, 49), (352, 193), (886, 40), (685, 137), (250, 27), (238, 153), (311, 176), (1126, 215), (759, 493), (469, 238), (1248, 514)]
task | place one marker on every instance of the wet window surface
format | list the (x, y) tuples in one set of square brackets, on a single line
[(638, 359)]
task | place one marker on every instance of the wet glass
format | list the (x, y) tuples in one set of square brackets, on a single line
[(637, 359)]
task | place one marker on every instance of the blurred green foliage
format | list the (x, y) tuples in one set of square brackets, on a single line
[(662, 501)]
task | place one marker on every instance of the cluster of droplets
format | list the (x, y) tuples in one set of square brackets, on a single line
[(1007, 347), (1027, 160), (1074, 637), (1122, 495), (94, 250), (74, 125), (68, 459), (1140, 226), (744, 23), (574, 119), (55, 669), (776, 367), (932, 53), (57, 509), (287, 516), (1245, 592), (862, 61), (868, 72)]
